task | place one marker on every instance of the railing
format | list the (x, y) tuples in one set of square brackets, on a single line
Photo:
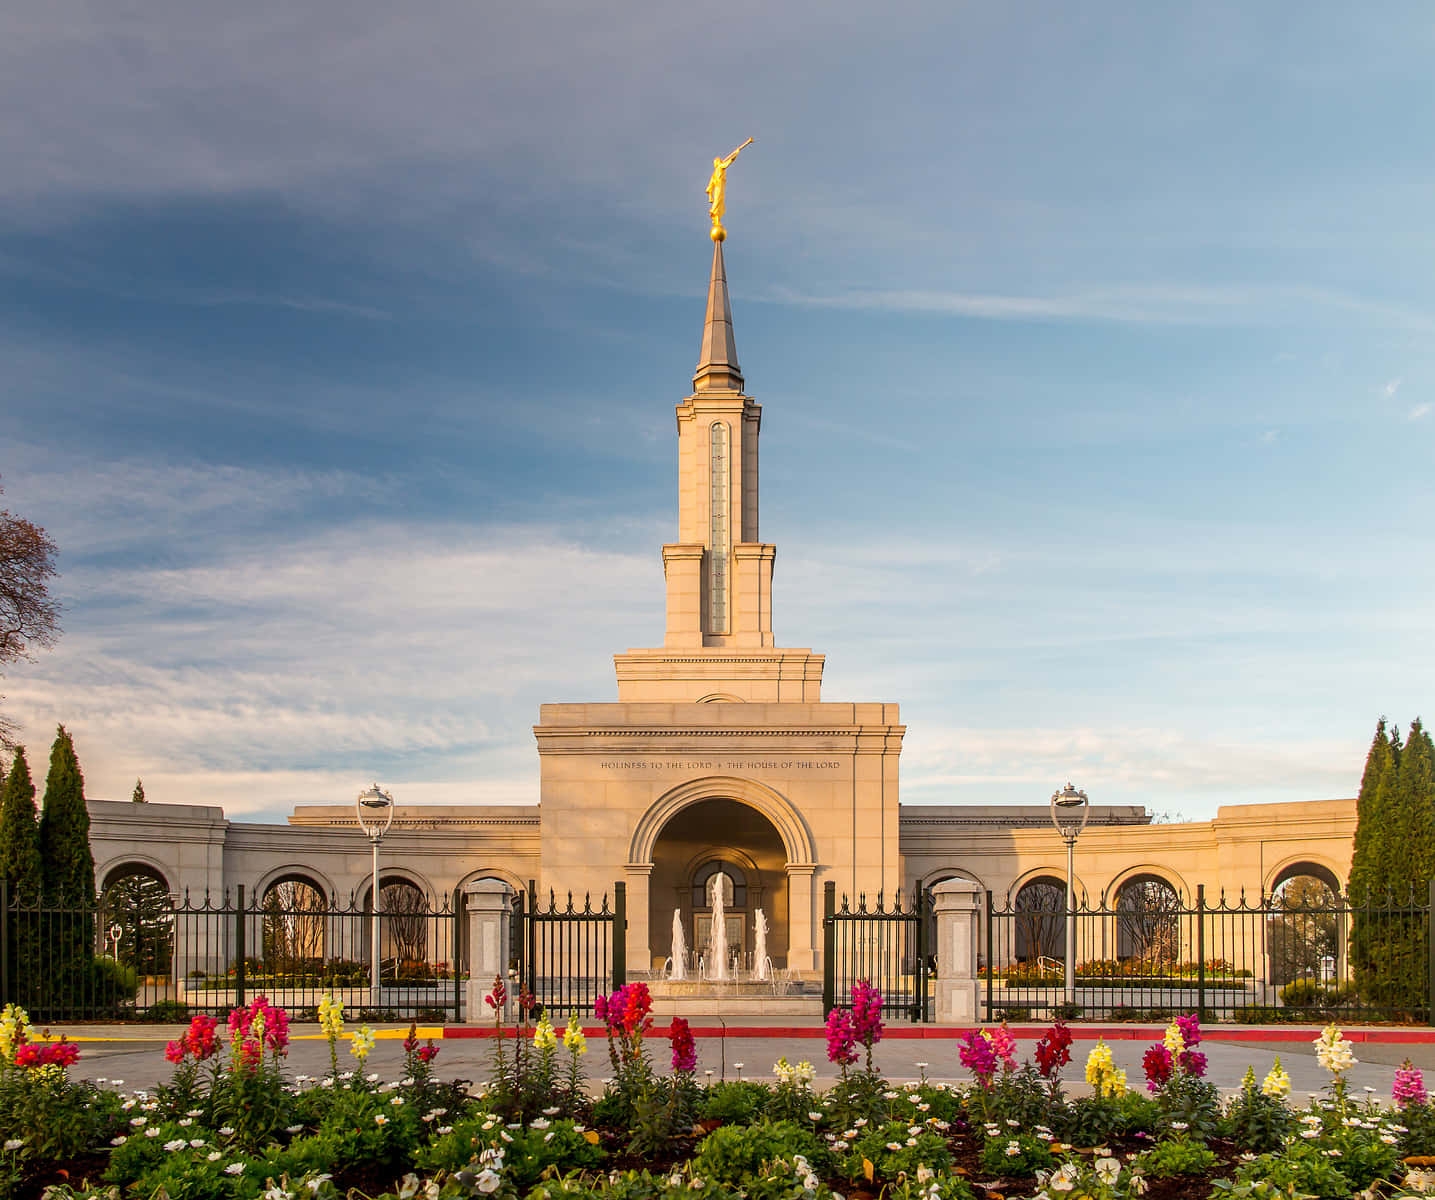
[(569, 955), (885, 945), (1261, 960), (168, 958)]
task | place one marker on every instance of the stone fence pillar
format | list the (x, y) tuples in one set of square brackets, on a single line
[(489, 906), (957, 906)]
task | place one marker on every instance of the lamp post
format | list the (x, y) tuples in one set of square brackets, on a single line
[(1069, 811), (376, 812)]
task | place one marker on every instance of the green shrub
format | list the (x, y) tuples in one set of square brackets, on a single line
[(741, 1101), (1302, 993), (1176, 1156), (730, 1154), (895, 1148), (1019, 1156), (165, 1012)]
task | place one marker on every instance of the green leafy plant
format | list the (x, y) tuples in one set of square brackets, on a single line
[(734, 1152), (1176, 1156), (894, 1149), (1020, 1156)]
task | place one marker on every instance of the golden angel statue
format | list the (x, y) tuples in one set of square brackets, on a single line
[(717, 192)]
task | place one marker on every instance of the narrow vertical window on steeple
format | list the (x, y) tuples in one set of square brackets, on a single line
[(718, 524)]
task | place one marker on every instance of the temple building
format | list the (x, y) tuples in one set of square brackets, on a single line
[(720, 755)]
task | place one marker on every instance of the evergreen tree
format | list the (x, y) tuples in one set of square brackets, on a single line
[(138, 795), (67, 983), (20, 867), (68, 865), (1391, 868), (20, 830)]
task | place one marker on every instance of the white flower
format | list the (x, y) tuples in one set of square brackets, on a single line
[(138, 1121), (171, 1147), (488, 1180), (443, 1129), (547, 1112), (234, 1169), (226, 1131), (317, 1182), (1180, 1126), (1013, 1149), (539, 1123), (925, 1174), (814, 1116), (292, 1128), (195, 1143), (275, 1193), (1107, 1170), (13, 1144), (894, 1145), (380, 1119), (152, 1131), (118, 1141), (214, 1155), (185, 1122)]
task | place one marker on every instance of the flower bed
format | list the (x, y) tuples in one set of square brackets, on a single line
[(231, 1125)]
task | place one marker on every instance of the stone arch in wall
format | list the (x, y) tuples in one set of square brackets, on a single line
[(1148, 904), (796, 838), (294, 935), (1038, 908), (745, 824), (1299, 865), (136, 923), (134, 864), (300, 871)]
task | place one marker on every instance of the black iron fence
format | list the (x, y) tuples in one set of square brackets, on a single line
[(886, 945), (116, 958), (569, 956), (1314, 957)]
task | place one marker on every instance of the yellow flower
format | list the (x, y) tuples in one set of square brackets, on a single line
[(543, 1036), (1174, 1041), (361, 1043), (13, 1021), (1277, 1084), (331, 1015), (573, 1036)]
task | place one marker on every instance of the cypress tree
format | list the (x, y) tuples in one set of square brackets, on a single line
[(138, 794), (1364, 872), (68, 865), (20, 830), (68, 869), (20, 866)]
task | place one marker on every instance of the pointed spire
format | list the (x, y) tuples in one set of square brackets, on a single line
[(717, 362)]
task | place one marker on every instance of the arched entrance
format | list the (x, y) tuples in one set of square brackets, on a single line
[(696, 845)]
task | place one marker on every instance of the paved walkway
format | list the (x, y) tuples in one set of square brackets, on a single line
[(134, 1053)]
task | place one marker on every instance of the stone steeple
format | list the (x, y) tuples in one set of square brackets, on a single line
[(717, 362), (719, 642)]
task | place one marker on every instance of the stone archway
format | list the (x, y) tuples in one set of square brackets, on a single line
[(728, 819)]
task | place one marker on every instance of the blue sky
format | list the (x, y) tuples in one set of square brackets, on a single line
[(340, 343)]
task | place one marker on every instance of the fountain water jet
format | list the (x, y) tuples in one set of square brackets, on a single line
[(717, 932), (678, 970), (760, 962)]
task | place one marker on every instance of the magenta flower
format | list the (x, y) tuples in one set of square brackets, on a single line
[(840, 1038), (979, 1056), (1409, 1085), (1190, 1027), (866, 1013), (1003, 1046), (1159, 1067)]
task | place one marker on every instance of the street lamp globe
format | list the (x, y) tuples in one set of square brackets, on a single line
[(375, 809), (1069, 813)]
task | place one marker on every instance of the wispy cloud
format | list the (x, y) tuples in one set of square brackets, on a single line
[(1419, 411), (1392, 387)]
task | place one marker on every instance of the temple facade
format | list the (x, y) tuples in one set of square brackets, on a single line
[(720, 755)]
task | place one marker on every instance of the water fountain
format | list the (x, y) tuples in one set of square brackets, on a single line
[(760, 963), (717, 931), (677, 968)]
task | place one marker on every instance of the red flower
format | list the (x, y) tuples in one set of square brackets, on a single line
[(428, 1053), (1054, 1050), (174, 1052), (685, 1052), (1159, 1067), (495, 998)]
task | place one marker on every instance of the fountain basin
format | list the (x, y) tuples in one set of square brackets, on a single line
[(733, 1000)]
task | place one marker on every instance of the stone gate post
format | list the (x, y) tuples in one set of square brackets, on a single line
[(957, 906), (490, 909)]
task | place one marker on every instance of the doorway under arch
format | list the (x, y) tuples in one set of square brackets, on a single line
[(693, 846)]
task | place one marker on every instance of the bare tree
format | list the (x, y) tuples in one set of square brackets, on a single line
[(405, 918), (294, 912), (1040, 926), (1148, 921), (29, 615)]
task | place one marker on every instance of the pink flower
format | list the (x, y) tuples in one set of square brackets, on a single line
[(866, 1013), (1409, 1085), (840, 1038), (685, 1053), (174, 1052), (1004, 1046), (1190, 1027), (428, 1053), (979, 1056)]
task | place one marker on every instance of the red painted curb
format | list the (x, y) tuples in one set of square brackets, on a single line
[(1081, 1033)]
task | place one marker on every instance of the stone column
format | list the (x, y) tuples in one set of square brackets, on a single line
[(640, 953), (490, 909), (957, 906), (802, 951)]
